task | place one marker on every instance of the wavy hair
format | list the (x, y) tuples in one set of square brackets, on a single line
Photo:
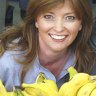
[(28, 34)]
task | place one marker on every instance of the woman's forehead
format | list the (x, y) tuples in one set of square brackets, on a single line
[(65, 5)]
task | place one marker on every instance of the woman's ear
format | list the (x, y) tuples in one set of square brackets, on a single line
[(36, 24), (80, 27)]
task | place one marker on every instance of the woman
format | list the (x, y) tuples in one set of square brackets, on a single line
[(54, 36)]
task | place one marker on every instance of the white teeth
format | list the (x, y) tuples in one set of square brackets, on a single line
[(57, 37)]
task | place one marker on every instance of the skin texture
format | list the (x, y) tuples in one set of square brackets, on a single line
[(57, 29)]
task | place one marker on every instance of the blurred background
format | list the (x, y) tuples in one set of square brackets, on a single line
[(13, 11)]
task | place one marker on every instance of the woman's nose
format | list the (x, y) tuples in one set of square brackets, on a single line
[(59, 26)]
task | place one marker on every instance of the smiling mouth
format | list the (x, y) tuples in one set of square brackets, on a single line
[(58, 37)]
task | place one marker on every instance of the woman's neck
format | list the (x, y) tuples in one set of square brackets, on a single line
[(53, 61)]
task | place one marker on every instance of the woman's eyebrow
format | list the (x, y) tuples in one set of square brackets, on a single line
[(49, 12), (66, 13)]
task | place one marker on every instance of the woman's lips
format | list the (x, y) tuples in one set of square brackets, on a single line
[(58, 37)]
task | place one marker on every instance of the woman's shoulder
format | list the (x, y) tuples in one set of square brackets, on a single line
[(7, 60), (8, 66)]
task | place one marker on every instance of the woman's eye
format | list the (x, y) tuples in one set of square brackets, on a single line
[(48, 17), (70, 18)]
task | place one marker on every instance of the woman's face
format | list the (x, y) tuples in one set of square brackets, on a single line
[(58, 28)]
